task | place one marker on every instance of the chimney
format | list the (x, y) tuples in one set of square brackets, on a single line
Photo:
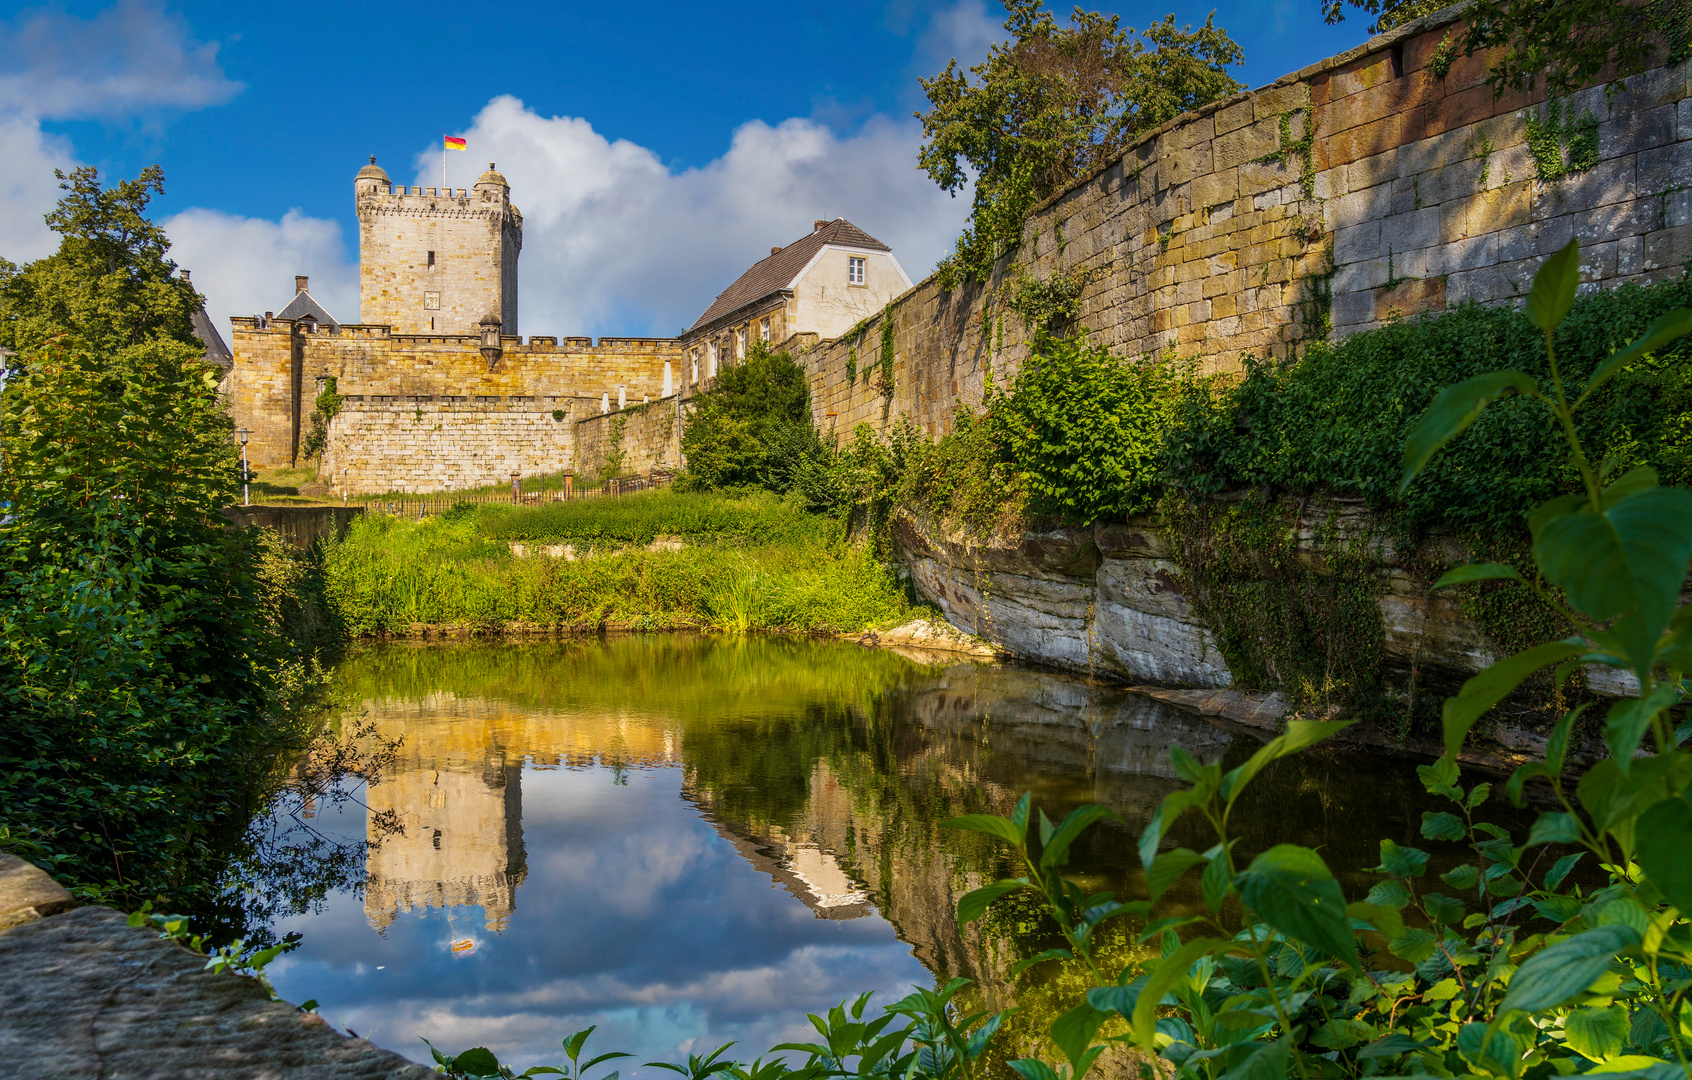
[(300, 283), (187, 277), (817, 225), (775, 250)]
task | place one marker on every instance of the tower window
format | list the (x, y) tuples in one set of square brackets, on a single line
[(854, 271), (431, 258)]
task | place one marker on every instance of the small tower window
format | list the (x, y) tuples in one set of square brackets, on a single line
[(431, 258), (431, 301), (854, 271)]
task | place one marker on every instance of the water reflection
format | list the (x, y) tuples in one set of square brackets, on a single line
[(693, 840)]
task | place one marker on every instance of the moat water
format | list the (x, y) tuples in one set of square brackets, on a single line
[(695, 840)]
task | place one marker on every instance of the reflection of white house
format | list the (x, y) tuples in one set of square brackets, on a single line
[(822, 284)]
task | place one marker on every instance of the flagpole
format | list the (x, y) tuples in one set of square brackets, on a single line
[(443, 163)]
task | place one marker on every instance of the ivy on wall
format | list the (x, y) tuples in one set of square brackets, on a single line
[(1307, 624)]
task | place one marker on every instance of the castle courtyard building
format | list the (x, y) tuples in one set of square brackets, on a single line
[(821, 285)]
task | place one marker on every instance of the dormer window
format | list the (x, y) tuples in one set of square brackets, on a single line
[(854, 271)]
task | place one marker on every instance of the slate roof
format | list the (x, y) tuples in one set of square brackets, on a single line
[(778, 272), (217, 353), (302, 306)]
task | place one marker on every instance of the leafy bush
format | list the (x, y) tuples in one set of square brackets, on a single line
[(752, 427), (140, 672), (1335, 419)]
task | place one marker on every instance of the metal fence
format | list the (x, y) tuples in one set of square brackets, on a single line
[(438, 502)]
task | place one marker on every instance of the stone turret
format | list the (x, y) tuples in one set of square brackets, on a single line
[(435, 260)]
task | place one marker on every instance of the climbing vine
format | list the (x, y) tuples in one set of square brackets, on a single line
[(885, 384), (1043, 304), (1301, 149), (324, 410), (1305, 623), (1561, 146)]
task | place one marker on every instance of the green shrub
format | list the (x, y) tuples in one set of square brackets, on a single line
[(1335, 419), (752, 427), (140, 674)]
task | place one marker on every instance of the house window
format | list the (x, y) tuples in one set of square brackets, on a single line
[(431, 258), (854, 271), (740, 343), (431, 301), (764, 331)]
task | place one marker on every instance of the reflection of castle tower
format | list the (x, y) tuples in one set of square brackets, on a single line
[(462, 844)]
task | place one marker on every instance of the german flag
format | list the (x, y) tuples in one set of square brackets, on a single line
[(456, 144)]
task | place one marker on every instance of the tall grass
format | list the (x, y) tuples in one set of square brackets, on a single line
[(757, 518), (389, 575)]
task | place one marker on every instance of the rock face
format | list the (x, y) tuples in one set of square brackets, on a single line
[(88, 995), (1103, 599)]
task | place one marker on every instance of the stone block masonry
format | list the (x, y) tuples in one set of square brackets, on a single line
[(634, 440), (1380, 183), (424, 412)]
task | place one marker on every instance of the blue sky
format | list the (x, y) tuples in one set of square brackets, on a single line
[(655, 149)]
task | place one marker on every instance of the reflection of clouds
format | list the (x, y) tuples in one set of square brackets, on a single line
[(635, 915)]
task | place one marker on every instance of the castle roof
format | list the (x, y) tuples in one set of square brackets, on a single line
[(492, 176), (782, 268), (217, 353), (372, 171), (302, 306)]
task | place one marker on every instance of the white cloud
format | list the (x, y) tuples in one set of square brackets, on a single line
[(614, 242), (964, 32), (27, 187), (129, 59), (246, 266)]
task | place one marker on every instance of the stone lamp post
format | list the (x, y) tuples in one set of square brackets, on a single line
[(244, 435)]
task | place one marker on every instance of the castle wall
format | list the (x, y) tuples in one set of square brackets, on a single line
[(423, 443), (645, 437), (482, 424), (1361, 188)]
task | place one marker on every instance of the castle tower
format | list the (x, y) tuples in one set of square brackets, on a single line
[(436, 260)]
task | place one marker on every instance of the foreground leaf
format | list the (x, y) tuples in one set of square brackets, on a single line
[(1453, 411), (1290, 888), (1552, 976)]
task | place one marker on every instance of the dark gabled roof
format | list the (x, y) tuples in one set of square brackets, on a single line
[(302, 306), (217, 353), (778, 271)]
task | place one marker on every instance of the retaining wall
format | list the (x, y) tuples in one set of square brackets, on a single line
[(1361, 188), (648, 436)]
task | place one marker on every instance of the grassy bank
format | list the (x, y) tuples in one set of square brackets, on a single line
[(750, 564)]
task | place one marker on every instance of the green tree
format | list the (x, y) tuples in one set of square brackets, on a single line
[(1055, 104), (138, 672), (754, 426), (1568, 43), (110, 284)]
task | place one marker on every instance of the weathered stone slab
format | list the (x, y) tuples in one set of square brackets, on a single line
[(28, 892), (88, 995)]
